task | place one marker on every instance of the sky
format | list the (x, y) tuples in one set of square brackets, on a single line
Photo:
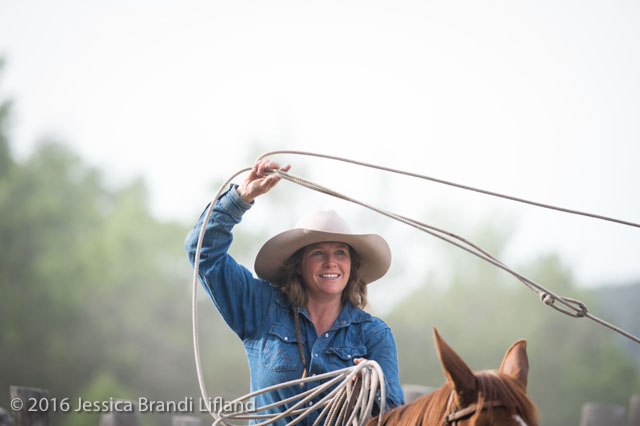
[(538, 99)]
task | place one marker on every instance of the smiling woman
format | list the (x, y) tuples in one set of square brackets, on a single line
[(325, 270), (291, 282), (303, 315)]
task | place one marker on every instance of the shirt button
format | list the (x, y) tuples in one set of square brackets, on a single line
[(315, 355), (326, 334), (349, 356), (310, 403), (286, 338)]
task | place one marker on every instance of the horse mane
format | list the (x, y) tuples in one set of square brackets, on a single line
[(431, 409)]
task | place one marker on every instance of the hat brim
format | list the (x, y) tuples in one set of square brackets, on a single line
[(372, 249)]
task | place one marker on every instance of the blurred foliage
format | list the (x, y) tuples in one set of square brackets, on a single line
[(621, 303), (94, 291), (95, 303)]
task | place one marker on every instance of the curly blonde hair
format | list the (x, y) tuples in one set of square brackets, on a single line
[(291, 282)]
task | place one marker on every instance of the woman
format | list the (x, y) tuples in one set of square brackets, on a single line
[(302, 316)]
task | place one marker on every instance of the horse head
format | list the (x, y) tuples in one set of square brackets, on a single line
[(491, 397)]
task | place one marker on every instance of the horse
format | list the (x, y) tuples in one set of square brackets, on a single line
[(492, 397)]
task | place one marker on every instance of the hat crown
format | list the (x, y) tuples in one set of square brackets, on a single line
[(325, 221)]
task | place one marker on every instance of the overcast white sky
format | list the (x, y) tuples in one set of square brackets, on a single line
[(539, 99)]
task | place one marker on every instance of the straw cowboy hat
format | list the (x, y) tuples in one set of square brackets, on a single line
[(317, 227)]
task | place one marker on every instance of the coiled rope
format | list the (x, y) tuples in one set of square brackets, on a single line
[(334, 405), (570, 307)]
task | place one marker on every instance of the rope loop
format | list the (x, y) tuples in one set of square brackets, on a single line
[(573, 308), (577, 309)]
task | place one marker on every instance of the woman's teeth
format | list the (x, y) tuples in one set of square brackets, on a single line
[(329, 275)]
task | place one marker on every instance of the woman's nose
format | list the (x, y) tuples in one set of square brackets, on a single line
[(330, 260)]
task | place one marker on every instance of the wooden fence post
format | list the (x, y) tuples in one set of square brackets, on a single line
[(126, 414), (5, 418), (30, 406), (185, 421), (634, 411), (601, 414)]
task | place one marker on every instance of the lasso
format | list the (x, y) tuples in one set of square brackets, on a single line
[(334, 404)]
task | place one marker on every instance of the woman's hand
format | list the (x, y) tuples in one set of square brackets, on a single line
[(357, 361), (257, 183)]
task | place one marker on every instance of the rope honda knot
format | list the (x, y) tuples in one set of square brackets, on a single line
[(546, 298)]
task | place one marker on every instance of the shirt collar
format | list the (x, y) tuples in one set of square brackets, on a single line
[(349, 314)]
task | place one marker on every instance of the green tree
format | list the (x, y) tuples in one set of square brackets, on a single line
[(94, 294)]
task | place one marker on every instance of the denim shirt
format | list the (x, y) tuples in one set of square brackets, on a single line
[(262, 317)]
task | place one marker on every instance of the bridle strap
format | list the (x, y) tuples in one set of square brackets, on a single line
[(454, 416)]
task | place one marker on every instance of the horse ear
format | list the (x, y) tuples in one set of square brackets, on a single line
[(460, 378), (516, 363)]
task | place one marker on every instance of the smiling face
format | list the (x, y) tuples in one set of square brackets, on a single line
[(325, 270)]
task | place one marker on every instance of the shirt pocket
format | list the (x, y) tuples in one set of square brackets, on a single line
[(281, 351), (342, 356)]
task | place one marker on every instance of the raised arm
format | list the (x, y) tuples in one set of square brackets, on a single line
[(242, 300)]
